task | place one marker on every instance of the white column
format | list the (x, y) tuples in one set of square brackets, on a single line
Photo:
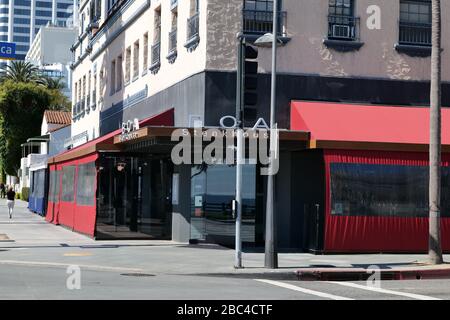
[(54, 10), (32, 20), (75, 13), (104, 10), (11, 21)]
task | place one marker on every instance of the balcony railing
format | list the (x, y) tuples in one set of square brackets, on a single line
[(115, 6), (193, 27), (416, 34), (173, 41), (341, 27), (156, 56), (261, 22)]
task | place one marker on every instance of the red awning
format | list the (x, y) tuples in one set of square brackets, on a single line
[(366, 123), (165, 118)]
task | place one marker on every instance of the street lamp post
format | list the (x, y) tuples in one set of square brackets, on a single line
[(239, 155), (271, 256), (271, 40)]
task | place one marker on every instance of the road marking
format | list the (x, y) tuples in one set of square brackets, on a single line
[(77, 254), (331, 261), (380, 290), (303, 290), (65, 265)]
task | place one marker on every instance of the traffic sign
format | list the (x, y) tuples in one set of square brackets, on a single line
[(7, 50)]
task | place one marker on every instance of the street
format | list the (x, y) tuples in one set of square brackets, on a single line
[(35, 257)]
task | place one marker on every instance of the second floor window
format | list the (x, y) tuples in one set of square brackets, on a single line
[(145, 52), (415, 22), (258, 17), (119, 73), (127, 65), (342, 23), (113, 77), (157, 26), (136, 60)]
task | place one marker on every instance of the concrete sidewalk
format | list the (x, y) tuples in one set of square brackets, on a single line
[(33, 242)]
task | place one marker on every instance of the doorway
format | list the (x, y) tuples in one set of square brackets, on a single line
[(134, 195)]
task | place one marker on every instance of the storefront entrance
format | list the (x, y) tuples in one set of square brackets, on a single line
[(134, 198), (212, 192)]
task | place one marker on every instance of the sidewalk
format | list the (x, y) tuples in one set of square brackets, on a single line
[(32, 241)]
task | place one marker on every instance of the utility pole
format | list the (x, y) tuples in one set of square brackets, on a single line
[(271, 255), (435, 246), (239, 152)]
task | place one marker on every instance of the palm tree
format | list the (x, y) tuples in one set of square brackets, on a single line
[(21, 71), (52, 83), (435, 247)]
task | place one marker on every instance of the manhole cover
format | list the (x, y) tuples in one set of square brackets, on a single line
[(137, 275)]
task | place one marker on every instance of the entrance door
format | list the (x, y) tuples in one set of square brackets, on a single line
[(213, 187), (134, 198), (155, 189)]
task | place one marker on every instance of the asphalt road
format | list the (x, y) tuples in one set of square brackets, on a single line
[(35, 282), (35, 255)]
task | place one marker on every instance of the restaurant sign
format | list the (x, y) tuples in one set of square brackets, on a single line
[(129, 130)]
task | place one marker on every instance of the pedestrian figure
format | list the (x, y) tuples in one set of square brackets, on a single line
[(10, 198), (2, 190)]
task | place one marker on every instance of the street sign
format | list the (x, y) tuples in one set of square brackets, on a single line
[(7, 50)]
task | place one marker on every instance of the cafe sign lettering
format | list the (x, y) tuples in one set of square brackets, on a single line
[(129, 130)]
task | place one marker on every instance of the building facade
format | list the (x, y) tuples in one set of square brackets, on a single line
[(173, 64), (20, 20), (50, 52)]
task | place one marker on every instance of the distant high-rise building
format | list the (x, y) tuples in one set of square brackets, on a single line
[(20, 20)]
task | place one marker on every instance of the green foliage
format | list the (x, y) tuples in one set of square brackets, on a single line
[(18, 195), (25, 194), (22, 106), (21, 71)]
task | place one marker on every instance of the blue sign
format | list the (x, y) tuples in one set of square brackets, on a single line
[(7, 50)]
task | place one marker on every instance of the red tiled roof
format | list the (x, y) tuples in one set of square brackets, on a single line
[(58, 117)]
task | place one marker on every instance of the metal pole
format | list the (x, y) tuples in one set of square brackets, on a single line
[(239, 153), (271, 257)]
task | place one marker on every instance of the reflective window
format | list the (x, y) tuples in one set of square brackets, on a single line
[(383, 190), (212, 191), (53, 194), (68, 181), (86, 182)]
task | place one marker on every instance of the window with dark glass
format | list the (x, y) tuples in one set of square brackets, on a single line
[(53, 193), (384, 190), (258, 17), (415, 22), (68, 181), (212, 192), (86, 181), (342, 23)]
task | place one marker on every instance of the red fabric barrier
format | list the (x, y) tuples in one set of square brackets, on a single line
[(378, 234), (83, 218), (78, 218), (52, 207)]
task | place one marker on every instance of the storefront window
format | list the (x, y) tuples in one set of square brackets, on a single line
[(38, 184), (212, 191), (134, 198), (53, 194), (86, 183), (68, 181), (383, 190)]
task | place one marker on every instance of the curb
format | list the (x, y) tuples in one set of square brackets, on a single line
[(363, 275), (286, 276)]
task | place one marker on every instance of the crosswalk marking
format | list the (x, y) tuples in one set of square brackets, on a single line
[(381, 290), (300, 289)]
